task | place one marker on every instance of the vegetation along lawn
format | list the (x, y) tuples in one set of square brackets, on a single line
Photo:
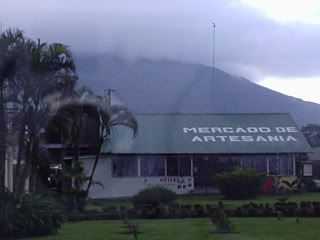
[(193, 229), (211, 199)]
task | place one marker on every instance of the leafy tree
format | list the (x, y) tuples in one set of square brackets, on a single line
[(76, 195), (52, 71), (69, 115), (312, 134), (240, 183), (11, 41), (30, 72), (29, 215)]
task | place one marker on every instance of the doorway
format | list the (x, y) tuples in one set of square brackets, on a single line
[(205, 167)]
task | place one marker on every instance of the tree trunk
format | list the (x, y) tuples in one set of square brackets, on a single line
[(24, 174), (3, 130), (98, 151), (75, 159), (33, 161), (18, 186)]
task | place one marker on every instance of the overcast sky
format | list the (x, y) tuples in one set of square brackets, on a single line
[(272, 42)]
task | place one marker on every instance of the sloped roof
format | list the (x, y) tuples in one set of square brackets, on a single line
[(210, 133)]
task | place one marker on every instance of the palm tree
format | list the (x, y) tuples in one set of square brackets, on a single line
[(115, 115), (29, 72), (68, 118), (51, 69), (10, 43)]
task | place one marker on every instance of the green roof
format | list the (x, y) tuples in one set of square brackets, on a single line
[(209, 133)]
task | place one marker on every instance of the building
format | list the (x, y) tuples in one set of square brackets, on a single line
[(184, 151), (311, 167)]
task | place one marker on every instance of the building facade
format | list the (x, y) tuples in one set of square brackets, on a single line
[(183, 152)]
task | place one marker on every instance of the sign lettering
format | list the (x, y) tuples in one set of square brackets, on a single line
[(236, 134)]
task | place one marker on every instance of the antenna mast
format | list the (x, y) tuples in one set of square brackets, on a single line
[(107, 95), (213, 66)]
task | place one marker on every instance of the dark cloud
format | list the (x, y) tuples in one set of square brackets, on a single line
[(247, 43)]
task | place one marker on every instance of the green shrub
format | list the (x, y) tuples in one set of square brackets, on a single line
[(109, 209), (199, 210), (154, 196), (240, 183), (220, 220), (31, 215)]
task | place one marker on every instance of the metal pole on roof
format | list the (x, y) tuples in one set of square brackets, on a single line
[(107, 93), (213, 66)]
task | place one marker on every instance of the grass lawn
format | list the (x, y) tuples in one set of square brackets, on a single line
[(193, 229), (211, 199)]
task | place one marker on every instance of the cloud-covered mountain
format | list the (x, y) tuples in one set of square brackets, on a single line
[(162, 86)]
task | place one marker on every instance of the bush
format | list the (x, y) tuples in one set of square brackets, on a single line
[(154, 196), (109, 209), (220, 220), (240, 183), (31, 215), (75, 200), (199, 210), (288, 209), (309, 185)]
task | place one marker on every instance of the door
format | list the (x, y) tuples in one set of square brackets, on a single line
[(203, 171)]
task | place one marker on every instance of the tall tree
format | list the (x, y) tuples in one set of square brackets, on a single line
[(10, 44), (52, 70), (312, 134), (109, 117), (68, 117), (30, 72)]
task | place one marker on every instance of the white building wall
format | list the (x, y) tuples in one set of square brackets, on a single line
[(114, 187)]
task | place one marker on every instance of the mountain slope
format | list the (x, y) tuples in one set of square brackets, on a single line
[(162, 86)]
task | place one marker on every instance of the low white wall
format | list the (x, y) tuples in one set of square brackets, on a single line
[(128, 186)]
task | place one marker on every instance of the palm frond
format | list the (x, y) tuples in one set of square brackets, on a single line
[(120, 115)]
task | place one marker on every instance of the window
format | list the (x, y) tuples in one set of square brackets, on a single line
[(178, 166), (281, 165), (246, 162), (260, 164), (273, 166), (124, 166), (184, 166), (172, 166), (225, 163), (255, 162), (152, 166), (307, 170), (286, 166)]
